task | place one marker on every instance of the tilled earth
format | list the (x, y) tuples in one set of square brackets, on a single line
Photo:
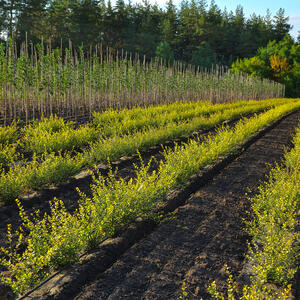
[(204, 234), (193, 245)]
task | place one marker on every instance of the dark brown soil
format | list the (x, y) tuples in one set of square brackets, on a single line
[(202, 236)]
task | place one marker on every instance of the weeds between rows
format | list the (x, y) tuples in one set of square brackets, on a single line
[(274, 249), (54, 168), (39, 81), (58, 238)]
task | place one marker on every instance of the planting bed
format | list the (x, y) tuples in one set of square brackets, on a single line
[(192, 245), (67, 151), (182, 158), (9, 214)]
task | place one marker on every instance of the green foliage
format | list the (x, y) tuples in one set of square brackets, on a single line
[(274, 242), (254, 66), (12, 183), (138, 28), (52, 124), (279, 61), (32, 20), (165, 52), (281, 25), (169, 24), (56, 135), (70, 82), (8, 148), (183, 119), (58, 238), (8, 134), (51, 169), (120, 122), (204, 57), (252, 292), (78, 52), (8, 155)]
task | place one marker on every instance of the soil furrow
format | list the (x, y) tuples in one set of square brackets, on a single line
[(203, 235)]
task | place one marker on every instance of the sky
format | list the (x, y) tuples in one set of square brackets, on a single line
[(291, 7)]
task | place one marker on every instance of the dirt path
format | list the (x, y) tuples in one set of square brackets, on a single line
[(204, 234)]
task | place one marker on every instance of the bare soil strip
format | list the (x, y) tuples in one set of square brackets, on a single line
[(203, 235)]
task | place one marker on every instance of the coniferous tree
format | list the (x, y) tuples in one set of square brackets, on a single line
[(60, 15), (84, 20), (121, 22), (32, 21), (269, 30), (191, 27), (196, 31), (130, 39), (148, 21), (238, 33), (108, 36), (3, 19), (165, 52), (281, 25), (254, 35), (170, 25), (10, 12), (213, 28), (204, 57)]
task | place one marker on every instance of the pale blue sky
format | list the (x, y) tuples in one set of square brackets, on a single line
[(291, 7)]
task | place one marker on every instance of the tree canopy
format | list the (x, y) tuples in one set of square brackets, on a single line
[(196, 31), (279, 61)]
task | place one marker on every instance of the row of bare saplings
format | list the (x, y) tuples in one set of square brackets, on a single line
[(37, 80)]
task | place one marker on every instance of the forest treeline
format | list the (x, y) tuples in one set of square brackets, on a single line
[(196, 32), (278, 61)]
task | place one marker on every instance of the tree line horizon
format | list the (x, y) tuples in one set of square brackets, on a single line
[(196, 32)]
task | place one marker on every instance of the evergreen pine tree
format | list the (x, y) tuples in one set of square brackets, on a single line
[(32, 21), (10, 10), (281, 25)]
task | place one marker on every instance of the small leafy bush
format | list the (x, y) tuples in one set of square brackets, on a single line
[(8, 134)]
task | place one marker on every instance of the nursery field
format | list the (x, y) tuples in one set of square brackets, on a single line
[(176, 174), (36, 81), (52, 150)]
